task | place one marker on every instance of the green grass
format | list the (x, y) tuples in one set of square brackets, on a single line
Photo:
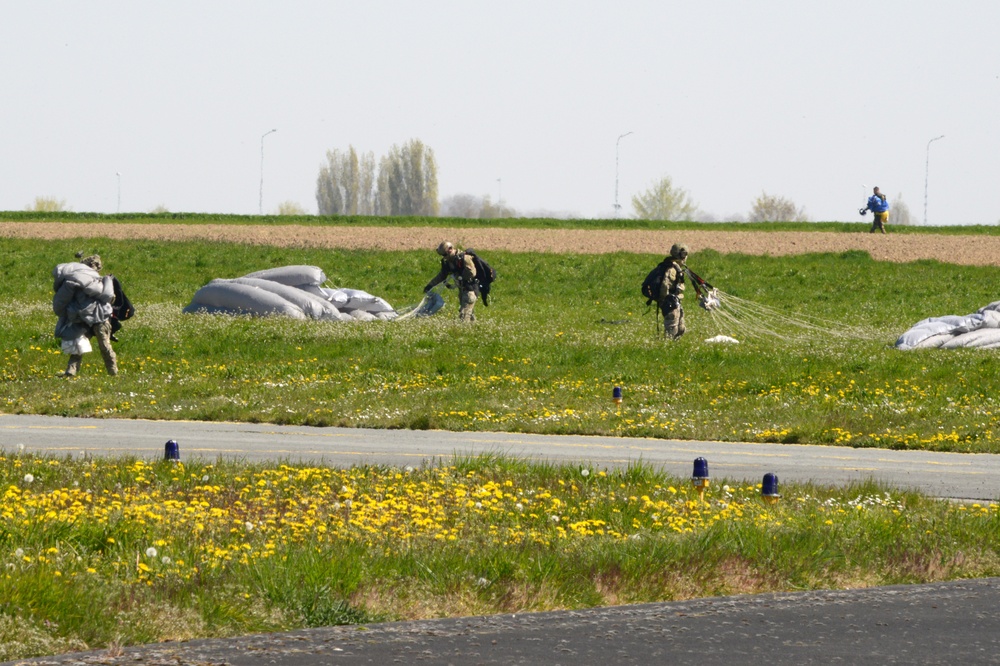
[(561, 332), (110, 552), (242, 548), (863, 225)]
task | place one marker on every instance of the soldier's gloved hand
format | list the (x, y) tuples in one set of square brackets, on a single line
[(427, 288)]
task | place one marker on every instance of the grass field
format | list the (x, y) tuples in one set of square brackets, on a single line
[(561, 332), (107, 552)]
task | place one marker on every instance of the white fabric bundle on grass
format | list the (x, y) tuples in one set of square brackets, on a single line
[(980, 330), (290, 291)]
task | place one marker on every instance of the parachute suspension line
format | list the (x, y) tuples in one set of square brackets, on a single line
[(428, 305), (412, 311), (804, 321), (757, 320), (749, 325)]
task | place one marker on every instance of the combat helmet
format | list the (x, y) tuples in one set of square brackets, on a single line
[(94, 261), (444, 247), (679, 251)]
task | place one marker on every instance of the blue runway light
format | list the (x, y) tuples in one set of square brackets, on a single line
[(616, 395), (172, 451), (699, 478), (700, 469), (769, 489)]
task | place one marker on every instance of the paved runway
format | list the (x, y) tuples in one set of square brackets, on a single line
[(952, 475), (943, 623)]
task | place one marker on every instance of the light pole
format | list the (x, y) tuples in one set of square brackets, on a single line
[(119, 176), (499, 194), (617, 207), (927, 171), (260, 203)]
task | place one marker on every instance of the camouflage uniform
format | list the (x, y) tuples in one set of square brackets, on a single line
[(672, 293), (460, 265), (102, 332), (84, 308)]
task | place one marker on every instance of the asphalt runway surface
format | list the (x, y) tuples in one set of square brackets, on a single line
[(955, 622), (952, 475), (945, 623)]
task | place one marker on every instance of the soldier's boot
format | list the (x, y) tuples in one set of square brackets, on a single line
[(73, 366), (465, 312)]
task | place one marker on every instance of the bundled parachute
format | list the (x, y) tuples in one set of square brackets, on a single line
[(981, 329), (296, 292)]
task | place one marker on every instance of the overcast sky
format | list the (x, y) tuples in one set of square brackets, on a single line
[(524, 101)]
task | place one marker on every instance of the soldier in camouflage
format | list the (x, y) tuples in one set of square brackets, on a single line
[(460, 265), (82, 301), (672, 292)]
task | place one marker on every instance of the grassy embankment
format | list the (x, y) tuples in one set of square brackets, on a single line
[(101, 553)]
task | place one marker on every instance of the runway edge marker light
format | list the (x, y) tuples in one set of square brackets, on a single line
[(172, 451), (699, 477), (769, 488)]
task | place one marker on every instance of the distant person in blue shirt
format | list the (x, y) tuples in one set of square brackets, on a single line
[(879, 207)]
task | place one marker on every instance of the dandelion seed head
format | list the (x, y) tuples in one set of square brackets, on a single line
[(19, 553), (150, 552), (585, 472), (29, 478), (166, 559)]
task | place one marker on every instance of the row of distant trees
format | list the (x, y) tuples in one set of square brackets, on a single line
[(665, 201), (405, 182)]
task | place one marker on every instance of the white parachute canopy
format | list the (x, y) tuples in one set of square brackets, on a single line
[(297, 292), (981, 330)]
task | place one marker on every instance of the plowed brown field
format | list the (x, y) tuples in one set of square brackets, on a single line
[(958, 249)]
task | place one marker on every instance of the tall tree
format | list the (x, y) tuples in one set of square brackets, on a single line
[(772, 208), (663, 201), (344, 185), (407, 181), (329, 198)]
